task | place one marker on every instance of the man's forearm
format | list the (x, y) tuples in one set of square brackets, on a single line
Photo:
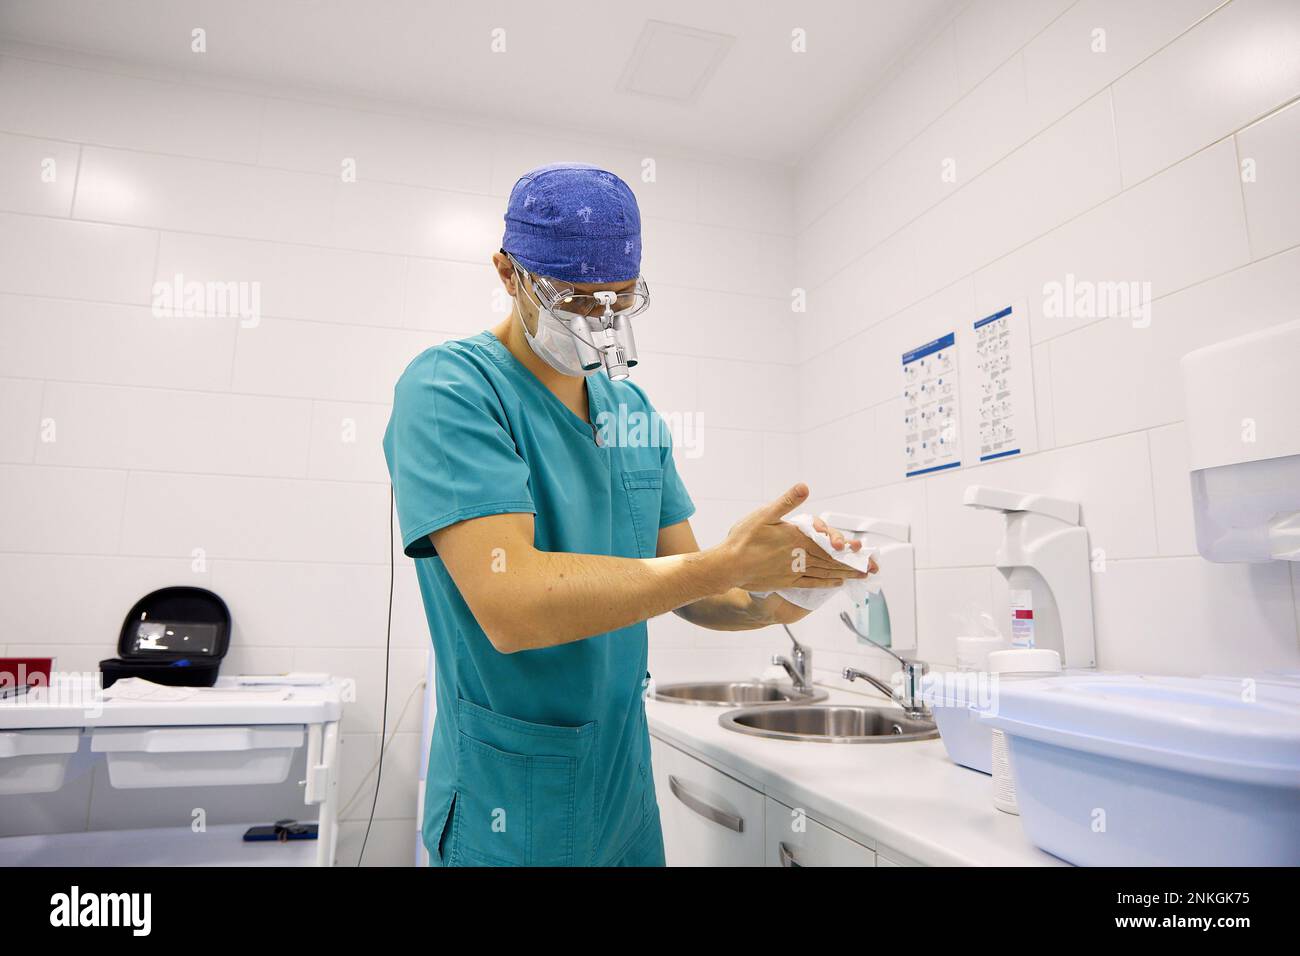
[(738, 610), (553, 598)]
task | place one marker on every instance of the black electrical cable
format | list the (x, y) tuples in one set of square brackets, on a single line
[(388, 651)]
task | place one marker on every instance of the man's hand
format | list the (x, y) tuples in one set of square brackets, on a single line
[(767, 554)]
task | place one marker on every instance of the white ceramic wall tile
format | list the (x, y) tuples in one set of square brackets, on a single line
[(714, 517), (80, 598), (347, 441), (321, 360), (886, 462), (708, 257), (730, 466), (901, 108), (198, 195), (113, 344), (1097, 41), (1063, 171), (291, 281), (835, 239), (1044, 405), (1235, 66), (781, 464), (669, 664), (1143, 381), (76, 260), (380, 147), (1110, 479), (458, 297), (397, 796), (1272, 147), (333, 605), (36, 175), (671, 383), (163, 430), (989, 31), (948, 604), (748, 395), (868, 290), (405, 220), (1148, 234), (975, 133), (840, 456), (757, 198), (1189, 616), (110, 109), (872, 365), (60, 510), (20, 425), (717, 324), (1171, 479), (270, 519)]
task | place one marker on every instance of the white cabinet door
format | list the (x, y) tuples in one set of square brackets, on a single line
[(709, 819), (887, 857), (795, 839)]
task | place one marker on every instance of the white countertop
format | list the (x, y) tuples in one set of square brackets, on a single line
[(906, 796)]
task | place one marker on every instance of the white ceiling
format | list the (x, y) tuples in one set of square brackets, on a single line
[(564, 65)]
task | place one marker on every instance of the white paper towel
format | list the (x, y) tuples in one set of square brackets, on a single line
[(812, 598)]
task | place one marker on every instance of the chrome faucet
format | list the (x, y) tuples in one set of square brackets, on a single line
[(910, 695), (800, 668)]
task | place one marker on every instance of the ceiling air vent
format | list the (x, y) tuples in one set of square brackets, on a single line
[(673, 62)]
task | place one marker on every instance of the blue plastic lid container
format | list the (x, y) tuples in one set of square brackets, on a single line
[(1139, 770)]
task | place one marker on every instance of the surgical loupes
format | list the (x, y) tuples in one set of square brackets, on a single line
[(611, 344)]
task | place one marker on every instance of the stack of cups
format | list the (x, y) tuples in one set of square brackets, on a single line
[(1022, 663)]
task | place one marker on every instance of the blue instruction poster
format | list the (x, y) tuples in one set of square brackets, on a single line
[(930, 399), (1000, 402)]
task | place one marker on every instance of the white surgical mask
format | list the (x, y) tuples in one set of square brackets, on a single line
[(554, 344)]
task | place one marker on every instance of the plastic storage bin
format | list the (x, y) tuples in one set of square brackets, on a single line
[(36, 761), (1156, 771), (197, 756)]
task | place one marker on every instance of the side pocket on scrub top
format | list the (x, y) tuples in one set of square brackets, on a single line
[(525, 791), (644, 497)]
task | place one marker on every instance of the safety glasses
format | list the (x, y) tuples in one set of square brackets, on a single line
[(561, 297)]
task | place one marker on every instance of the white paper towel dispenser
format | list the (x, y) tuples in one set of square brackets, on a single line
[(1243, 428)]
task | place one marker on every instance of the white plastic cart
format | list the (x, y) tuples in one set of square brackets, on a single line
[(212, 740)]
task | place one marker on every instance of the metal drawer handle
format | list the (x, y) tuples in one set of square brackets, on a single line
[(787, 858), (721, 817)]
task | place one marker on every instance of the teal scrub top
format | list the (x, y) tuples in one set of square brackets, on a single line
[(541, 757)]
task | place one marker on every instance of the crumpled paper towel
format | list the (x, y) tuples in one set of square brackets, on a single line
[(812, 598)]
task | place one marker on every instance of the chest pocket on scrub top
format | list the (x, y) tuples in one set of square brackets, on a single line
[(644, 493)]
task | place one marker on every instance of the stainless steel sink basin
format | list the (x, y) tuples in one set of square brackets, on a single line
[(737, 693), (829, 724)]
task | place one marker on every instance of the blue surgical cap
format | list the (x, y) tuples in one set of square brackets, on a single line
[(574, 222)]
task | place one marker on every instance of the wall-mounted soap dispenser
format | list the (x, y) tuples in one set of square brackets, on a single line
[(885, 604), (1045, 558)]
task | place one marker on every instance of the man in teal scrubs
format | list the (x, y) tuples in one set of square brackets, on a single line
[(544, 539)]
